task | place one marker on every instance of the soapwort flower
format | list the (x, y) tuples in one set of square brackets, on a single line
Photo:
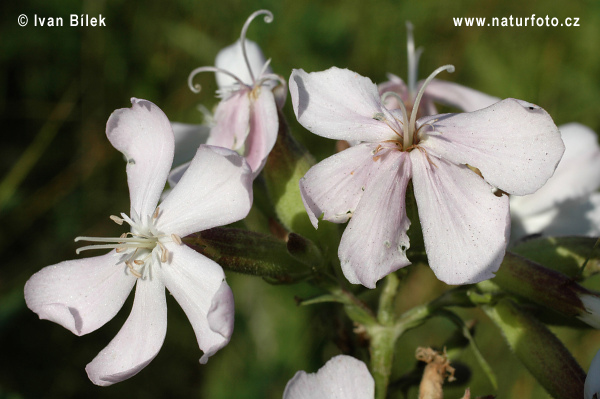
[(342, 377), (465, 220), (568, 204), (436, 91), (84, 294), (246, 118)]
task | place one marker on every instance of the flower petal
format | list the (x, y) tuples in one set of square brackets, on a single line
[(461, 97), (138, 341), (576, 176), (188, 138), (374, 243), (144, 135), (80, 295), (465, 226), (340, 104), (215, 190), (264, 126), (197, 284), (232, 60), (334, 186), (514, 144), (342, 377), (591, 388), (232, 121)]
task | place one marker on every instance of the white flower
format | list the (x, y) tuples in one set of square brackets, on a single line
[(82, 295), (246, 118), (514, 144), (569, 203), (342, 377)]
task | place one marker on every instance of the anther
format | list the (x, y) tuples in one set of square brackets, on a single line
[(155, 214), (176, 239), (116, 219)]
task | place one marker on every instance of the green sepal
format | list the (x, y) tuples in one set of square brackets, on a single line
[(249, 252), (543, 286), (305, 251), (287, 163), (546, 358), (563, 254)]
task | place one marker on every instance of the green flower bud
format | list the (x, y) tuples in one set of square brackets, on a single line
[(539, 350)]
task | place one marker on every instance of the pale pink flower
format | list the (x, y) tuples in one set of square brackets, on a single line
[(342, 377), (246, 118), (569, 203), (84, 294), (515, 145)]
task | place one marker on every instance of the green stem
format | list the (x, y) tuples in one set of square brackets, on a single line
[(383, 341), (386, 313)]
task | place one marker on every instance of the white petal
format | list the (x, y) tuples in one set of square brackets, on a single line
[(140, 338), (340, 104), (461, 97), (215, 190), (514, 144), (188, 138), (572, 217), (264, 126), (464, 224), (592, 382), (334, 186), (80, 295), (144, 135), (577, 174), (196, 283), (232, 60), (374, 243), (232, 121), (342, 377)]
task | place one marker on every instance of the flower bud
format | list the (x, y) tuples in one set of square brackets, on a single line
[(547, 288), (539, 350), (249, 252)]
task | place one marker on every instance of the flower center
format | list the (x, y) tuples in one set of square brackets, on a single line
[(143, 246), (409, 139)]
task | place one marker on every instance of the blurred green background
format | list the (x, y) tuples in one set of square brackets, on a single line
[(60, 178)]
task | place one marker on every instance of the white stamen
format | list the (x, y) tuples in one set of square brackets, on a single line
[(176, 239), (268, 19), (116, 219)]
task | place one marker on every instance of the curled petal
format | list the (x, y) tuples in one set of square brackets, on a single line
[(514, 144), (334, 186), (461, 97), (138, 341), (80, 295), (342, 377), (215, 190), (465, 226), (340, 104), (197, 284), (144, 135), (232, 121), (374, 243), (576, 176), (188, 138), (231, 59), (264, 126)]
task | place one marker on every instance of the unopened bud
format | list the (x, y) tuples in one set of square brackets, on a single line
[(546, 288)]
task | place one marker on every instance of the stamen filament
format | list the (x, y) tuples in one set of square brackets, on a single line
[(113, 239), (405, 138), (196, 88), (413, 115), (268, 19), (109, 246)]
